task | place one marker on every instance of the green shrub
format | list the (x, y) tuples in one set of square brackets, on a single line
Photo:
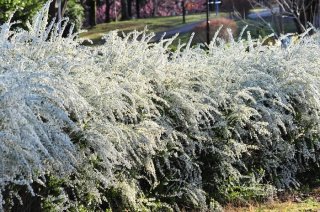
[(22, 10), (75, 13)]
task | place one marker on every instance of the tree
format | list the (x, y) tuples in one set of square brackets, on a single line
[(93, 12), (23, 10), (139, 3), (57, 9), (138, 8), (183, 4), (129, 3), (75, 12), (107, 12), (155, 7), (303, 12), (124, 10), (241, 7), (67, 8)]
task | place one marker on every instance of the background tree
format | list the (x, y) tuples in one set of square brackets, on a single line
[(124, 10), (183, 4), (303, 11), (108, 10), (67, 8), (129, 3), (75, 12), (23, 10), (155, 7), (56, 10), (138, 8), (55, 6), (93, 12), (139, 4), (239, 7)]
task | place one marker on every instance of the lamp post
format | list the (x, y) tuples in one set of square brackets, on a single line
[(216, 2), (208, 23), (183, 4)]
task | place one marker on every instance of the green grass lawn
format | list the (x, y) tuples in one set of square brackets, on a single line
[(157, 24), (310, 204), (261, 28), (160, 24), (256, 27), (294, 203)]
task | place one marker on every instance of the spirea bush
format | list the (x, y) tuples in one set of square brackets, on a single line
[(130, 125)]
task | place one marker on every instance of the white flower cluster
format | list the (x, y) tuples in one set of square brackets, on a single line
[(132, 117)]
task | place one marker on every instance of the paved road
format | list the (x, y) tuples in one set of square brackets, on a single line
[(263, 13), (189, 27), (183, 29)]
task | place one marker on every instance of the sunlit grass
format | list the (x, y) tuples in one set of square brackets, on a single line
[(310, 204), (258, 9), (156, 24), (161, 24)]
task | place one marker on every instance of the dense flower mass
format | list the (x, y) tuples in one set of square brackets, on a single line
[(132, 125)]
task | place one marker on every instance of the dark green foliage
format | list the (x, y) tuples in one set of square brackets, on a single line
[(22, 10), (75, 13)]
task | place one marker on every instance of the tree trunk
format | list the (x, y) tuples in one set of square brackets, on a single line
[(107, 13), (56, 12), (54, 9), (124, 10), (93, 13), (130, 8), (302, 11), (155, 8), (305, 12), (313, 13), (138, 8), (183, 11), (64, 7), (316, 19)]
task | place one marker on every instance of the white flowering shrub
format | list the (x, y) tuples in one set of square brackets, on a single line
[(131, 125)]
